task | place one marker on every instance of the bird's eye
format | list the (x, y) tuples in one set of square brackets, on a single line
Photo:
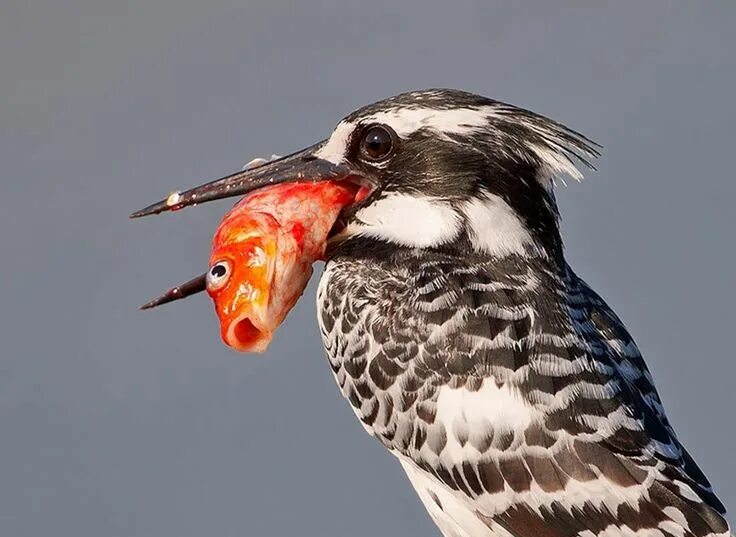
[(218, 275), (377, 143)]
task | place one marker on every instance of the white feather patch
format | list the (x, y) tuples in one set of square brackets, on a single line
[(676, 516), (407, 220), (554, 164), (456, 517), (405, 121), (336, 147), (495, 229), (502, 406)]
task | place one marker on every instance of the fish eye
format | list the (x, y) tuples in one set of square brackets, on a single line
[(218, 275), (377, 143)]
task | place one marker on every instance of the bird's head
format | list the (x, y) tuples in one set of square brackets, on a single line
[(438, 169)]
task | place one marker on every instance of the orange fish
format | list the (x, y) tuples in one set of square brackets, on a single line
[(262, 256), (263, 251)]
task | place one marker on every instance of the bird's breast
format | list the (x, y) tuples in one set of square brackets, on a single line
[(405, 340)]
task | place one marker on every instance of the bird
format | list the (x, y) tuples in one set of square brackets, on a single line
[(513, 397)]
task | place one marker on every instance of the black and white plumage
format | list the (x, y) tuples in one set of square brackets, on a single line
[(513, 397)]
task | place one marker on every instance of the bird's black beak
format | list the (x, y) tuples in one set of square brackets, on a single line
[(303, 165), (192, 287)]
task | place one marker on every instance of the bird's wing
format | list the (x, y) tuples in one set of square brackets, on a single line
[(619, 442), (601, 326), (523, 395)]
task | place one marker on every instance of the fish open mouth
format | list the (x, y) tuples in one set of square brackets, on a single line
[(244, 334)]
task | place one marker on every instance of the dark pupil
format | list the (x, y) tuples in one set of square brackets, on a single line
[(218, 271), (377, 143)]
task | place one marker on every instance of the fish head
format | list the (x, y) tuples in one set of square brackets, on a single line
[(242, 277)]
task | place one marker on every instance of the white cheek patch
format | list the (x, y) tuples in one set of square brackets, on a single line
[(495, 229), (407, 220), (492, 226)]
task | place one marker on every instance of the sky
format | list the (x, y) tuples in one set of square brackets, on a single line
[(123, 423)]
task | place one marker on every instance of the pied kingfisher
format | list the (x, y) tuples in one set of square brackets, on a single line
[(512, 395)]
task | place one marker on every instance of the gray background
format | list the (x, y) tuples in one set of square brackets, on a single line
[(120, 423)]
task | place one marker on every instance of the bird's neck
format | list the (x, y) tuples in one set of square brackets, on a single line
[(459, 253)]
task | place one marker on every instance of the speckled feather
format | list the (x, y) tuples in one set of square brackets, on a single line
[(513, 397), (590, 450)]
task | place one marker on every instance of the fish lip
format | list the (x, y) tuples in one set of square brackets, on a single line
[(247, 333)]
